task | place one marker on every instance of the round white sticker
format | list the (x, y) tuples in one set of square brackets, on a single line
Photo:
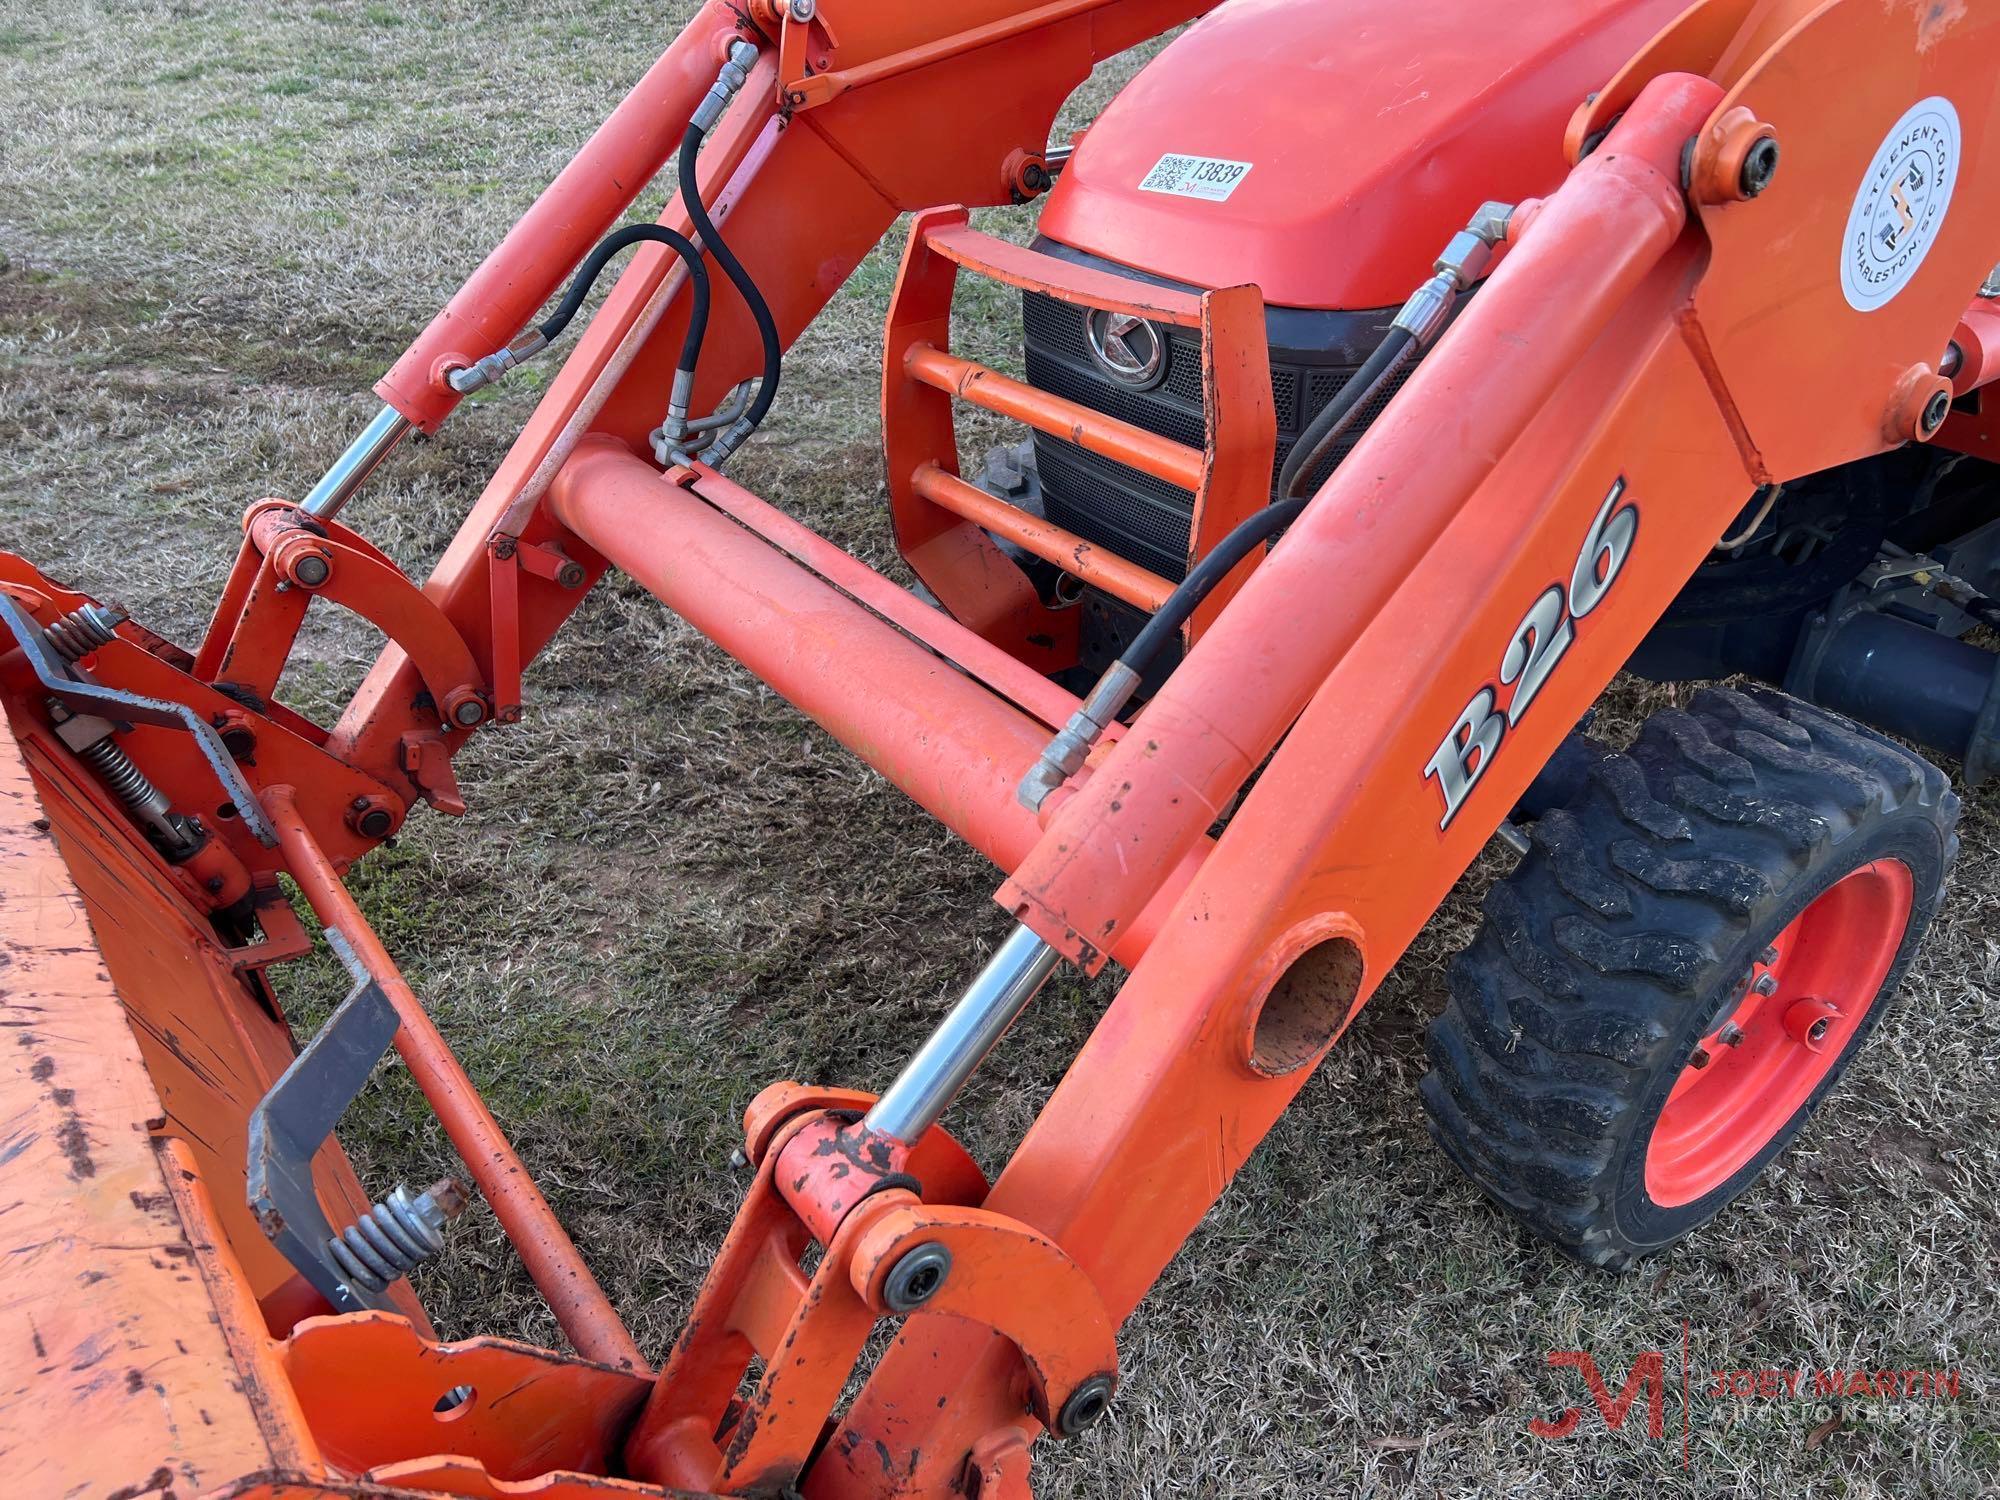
[(1901, 205)]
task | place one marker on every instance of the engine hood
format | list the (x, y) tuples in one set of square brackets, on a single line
[(1370, 130)]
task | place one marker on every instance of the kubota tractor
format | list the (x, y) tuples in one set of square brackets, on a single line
[(1396, 373)]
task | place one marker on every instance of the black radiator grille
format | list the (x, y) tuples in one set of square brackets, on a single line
[(1133, 514)]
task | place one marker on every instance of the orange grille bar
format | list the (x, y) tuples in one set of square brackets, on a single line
[(946, 528), (1068, 551), (1148, 452)]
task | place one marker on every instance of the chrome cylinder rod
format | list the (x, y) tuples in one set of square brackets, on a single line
[(351, 470), (990, 1004)]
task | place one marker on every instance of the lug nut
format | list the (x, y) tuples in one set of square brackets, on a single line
[(1766, 985), (1698, 1058), (916, 1278), (1731, 1035)]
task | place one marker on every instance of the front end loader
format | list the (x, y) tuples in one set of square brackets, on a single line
[(1395, 375)]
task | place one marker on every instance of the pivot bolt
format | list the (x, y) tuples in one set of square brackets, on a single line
[(464, 708), (1935, 411), (916, 1278), (802, 10), (238, 738), (1760, 165), (1086, 1406), (372, 817)]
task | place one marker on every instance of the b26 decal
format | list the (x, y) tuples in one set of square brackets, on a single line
[(1533, 651)]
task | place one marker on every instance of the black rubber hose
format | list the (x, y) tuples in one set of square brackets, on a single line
[(593, 267), (1222, 558), (711, 238), (1324, 429)]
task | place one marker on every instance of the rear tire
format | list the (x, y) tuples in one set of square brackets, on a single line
[(1645, 922)]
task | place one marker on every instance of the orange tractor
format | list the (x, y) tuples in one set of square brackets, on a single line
[(1392, 366)]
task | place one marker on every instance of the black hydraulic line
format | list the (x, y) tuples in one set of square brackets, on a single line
[(1066, 753), (711, 239), (593, 267), (1220, 561), (1397, 345)]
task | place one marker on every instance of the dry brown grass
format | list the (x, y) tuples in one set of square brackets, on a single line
[(219, 223)]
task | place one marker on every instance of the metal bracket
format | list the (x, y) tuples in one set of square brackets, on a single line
[(293, 1120), (78, 692)]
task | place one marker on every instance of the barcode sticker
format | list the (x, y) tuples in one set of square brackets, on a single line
[(1207, 177)]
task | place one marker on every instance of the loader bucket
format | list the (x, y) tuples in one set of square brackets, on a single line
[(151, 1307), (139, 1046)]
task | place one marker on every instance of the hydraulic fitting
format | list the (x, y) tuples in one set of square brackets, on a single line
[(673, 433), (482, 373), (728, 84), (1465, 259), (732, 438), (1071, 747)]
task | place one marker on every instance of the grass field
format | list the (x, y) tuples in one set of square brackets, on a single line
[(219, 220)]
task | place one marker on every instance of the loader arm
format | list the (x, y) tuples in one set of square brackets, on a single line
[(1355, 714)]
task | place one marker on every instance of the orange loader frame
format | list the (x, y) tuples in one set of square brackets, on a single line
[(1654, 344)]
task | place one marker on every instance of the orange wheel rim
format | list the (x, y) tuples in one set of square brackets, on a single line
[(1802, 1003)]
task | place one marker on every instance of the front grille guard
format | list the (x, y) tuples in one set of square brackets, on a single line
[(1115, 507), (946, 527)]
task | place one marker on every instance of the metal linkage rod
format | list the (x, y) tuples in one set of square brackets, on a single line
[(551, 1258), (990, 1004)]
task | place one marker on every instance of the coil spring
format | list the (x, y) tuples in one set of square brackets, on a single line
[(123, 776), (402, 1231), (83, 630)]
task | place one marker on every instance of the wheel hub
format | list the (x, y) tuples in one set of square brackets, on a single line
[(1797, 1009)]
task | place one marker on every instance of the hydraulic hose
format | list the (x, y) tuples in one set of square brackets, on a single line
[(760, 310), (484, 372), (1417, 324), (1216, 565), (1066, 753), (1398, 347), (593, 267)]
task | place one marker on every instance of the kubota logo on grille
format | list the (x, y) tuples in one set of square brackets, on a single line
[(1129, 349)]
